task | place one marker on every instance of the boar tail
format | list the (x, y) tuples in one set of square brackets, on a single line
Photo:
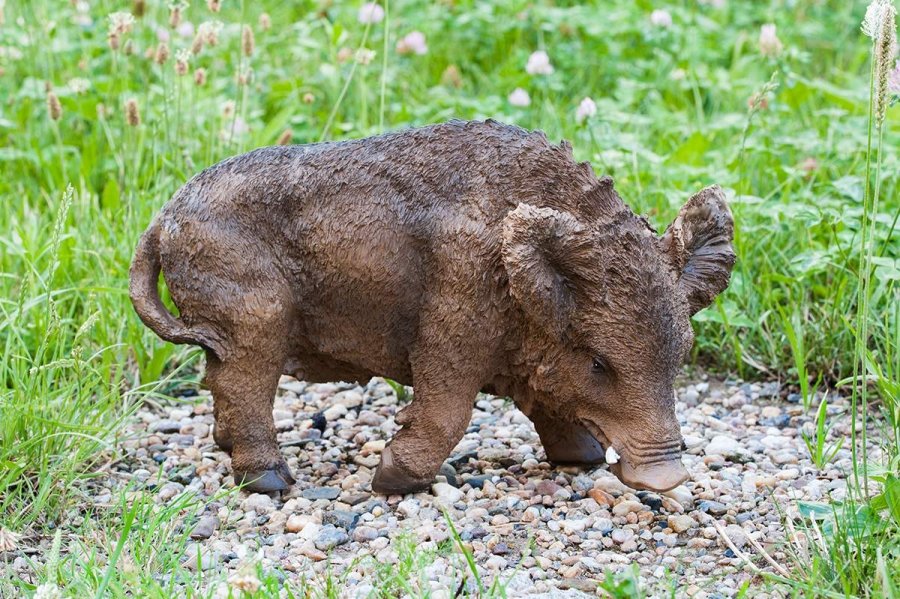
[(144, 292)]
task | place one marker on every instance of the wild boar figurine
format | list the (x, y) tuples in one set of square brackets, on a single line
[(456, 258)]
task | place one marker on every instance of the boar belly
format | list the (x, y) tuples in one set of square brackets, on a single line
[(361, 303)]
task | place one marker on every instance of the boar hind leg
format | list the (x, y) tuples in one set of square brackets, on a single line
[(566, 442), (243, 390), (221, 427)]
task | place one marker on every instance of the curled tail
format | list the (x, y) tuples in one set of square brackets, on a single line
[(144, 292)]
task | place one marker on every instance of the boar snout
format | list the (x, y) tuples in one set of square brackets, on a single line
[(658, 476), (652, 465)]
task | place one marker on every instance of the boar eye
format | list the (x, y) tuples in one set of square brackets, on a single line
[(600, 366)]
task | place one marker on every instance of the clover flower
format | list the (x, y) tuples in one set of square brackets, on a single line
[(661, 18), (240, 126), (519, 97), (370, 13), (769, 44), (586, 109), (344, 54), (412, 43), (809, 165), (186, 29), (539, 64)]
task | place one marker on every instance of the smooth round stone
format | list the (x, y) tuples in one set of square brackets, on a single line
[(626, 507), (714, 508), (408, 508), (620, 535), (546, 487), (205, 527), (259, 503), (330, 537), (316, 493), (681, 523), (446, 492), (165, 427), (169, 491)]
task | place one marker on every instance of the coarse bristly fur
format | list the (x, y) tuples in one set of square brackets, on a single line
[(458, 257)]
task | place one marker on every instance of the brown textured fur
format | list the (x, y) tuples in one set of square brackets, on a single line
[(455, 258)]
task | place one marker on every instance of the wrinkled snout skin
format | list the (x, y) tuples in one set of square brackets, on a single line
[(457, 258)]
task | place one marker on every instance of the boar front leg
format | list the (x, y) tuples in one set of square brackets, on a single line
[(432, 426), (566, 442), (448, 370)]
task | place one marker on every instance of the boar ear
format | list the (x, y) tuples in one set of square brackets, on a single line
[(698, 245), (542, 249)]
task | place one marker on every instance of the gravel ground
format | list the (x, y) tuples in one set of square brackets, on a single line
[(549, 532)]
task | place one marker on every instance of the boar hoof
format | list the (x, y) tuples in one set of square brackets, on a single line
[(266, 481), (393, 479)]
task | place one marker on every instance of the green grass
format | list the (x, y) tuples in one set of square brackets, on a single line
[(672, 117)]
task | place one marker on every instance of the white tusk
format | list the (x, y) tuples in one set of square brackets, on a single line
[(612, 456)]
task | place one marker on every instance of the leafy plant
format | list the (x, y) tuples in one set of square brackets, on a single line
[(623, 585), (399, 390), (821, 454)]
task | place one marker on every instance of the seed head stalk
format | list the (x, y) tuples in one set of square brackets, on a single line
[(880, 25), (860, 316), (867, 286), (54, 112), (50, 313)]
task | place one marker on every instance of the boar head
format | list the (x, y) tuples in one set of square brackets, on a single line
[(609, 306)]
